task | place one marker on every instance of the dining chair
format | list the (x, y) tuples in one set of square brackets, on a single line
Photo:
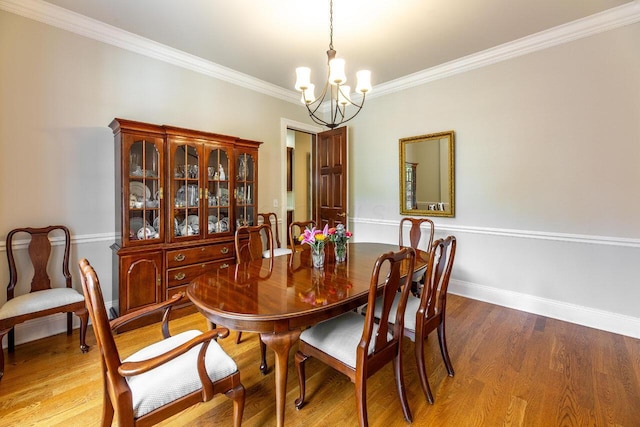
[(356, 345), (248, 246), (278, 250), (164, 378), (295, 229), (415, 239), (43, 299), (428, 312)]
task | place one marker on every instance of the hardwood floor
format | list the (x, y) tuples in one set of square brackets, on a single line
[(512, 369)]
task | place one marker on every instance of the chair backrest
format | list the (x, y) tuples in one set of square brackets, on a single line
[(39, 252), (272, 219), (250, 248), (295, 229), (109, 356), (415, 233), (434, 294), (401, 264)]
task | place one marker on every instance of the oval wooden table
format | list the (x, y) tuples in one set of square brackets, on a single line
[(278, 297)]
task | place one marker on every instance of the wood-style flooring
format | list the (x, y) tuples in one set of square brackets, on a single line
[(512, 369)]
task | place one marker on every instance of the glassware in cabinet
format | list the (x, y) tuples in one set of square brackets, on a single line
[(245, 191), (143, 190), (185, 191), (218, 179)]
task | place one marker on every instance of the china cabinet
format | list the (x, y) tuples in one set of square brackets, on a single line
[(180, 195)]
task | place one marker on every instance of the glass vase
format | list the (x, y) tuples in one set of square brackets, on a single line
[(317, 255), (340, 250)]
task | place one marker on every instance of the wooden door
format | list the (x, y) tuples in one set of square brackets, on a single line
[(330, 177)]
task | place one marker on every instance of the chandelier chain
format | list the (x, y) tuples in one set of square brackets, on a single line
[(330, 24)]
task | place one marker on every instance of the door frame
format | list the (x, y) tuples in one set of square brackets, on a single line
[(285, 124)]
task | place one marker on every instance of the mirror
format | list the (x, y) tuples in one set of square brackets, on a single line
[(427, 175)]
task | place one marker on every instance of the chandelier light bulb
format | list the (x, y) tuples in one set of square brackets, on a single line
[(363, 78), (337, 75), (308, 95), (303, 78), (343, 95)]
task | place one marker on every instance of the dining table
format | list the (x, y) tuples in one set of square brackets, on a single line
[(278, 297)]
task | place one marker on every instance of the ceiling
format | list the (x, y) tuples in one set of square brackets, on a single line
[(268, 39)]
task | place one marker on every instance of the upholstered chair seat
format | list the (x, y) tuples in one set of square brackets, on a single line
[(39, 301), (177, 378), (339, 337)]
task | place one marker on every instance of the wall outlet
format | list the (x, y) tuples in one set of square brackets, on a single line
[(275, 203)]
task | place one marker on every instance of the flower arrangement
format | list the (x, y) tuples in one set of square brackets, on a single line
[(314, 238), (339, 235)]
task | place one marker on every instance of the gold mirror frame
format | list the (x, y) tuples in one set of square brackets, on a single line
[(427, 183)]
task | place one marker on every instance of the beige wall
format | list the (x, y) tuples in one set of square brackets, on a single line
[(547, 154), (59, 92)]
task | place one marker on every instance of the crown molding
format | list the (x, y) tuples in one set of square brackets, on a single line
[(47, 13), (604, 21), (56, 16)]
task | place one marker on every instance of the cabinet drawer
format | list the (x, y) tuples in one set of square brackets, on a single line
[(180, 257), (184, 275)]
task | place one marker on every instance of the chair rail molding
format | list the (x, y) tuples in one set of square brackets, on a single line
[(368, 229)]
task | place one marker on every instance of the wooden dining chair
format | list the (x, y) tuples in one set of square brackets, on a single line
[(272, 219), (356, 345), (423, 315), (296, 228), (43, 299), (163, 378), (249, 247), (417, 239)]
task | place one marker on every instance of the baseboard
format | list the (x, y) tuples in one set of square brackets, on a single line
[(598, 319), (43, 327)]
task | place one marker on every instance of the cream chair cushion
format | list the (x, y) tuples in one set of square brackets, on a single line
[(339, 337), (276, 252), (176, 378), (38, 301), (413, 304)]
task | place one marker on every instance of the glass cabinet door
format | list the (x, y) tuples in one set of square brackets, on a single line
[(143, 190), (185, 192), (217, 198), (245, 189)]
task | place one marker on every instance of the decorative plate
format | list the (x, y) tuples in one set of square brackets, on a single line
[(139, 190)]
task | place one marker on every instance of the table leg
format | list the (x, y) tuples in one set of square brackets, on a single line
[(281, 344)]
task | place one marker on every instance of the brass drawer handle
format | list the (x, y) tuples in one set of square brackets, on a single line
[(224, 250), (225, 265), (179, 257), (180, 276)]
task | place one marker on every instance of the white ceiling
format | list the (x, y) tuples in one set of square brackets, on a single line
[(268, 39)]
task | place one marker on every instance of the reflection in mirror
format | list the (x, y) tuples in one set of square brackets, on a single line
[(427, 184)]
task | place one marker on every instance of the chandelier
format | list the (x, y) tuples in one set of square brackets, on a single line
[(335, 91)]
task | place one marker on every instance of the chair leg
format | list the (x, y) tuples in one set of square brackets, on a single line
[(300, 359), (263, 357), (238, 337), (107, 406), (442, 338), (402, 393), (422, 371), (11, 344), (2, 334), (361, 400), (237, 395), (83, 315), (69, 324)]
